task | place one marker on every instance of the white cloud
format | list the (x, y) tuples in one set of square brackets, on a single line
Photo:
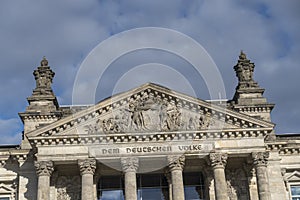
[(65, 32)]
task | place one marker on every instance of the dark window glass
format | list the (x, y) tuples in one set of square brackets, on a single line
[(194, 188), (152, 186), (295, 191), (111, 188)]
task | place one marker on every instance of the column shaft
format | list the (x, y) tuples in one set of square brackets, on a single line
[(177, 185), (87, 190), (87, 169), (176, 165), (218, 162), (260, 160), (129, 167), (130, 185), (43, 188), (220, 184), (44, 170), (262, 183)]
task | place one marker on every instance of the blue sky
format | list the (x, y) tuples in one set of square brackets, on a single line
[(66, 31)]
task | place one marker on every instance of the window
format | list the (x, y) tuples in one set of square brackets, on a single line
[(111, 188), (193, 186), (295, 192), (4, 198), (152, 186)]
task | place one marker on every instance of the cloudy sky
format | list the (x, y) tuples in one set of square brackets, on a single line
[(67, 31)]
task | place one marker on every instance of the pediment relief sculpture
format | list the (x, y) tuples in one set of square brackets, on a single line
[(152, 114), (150, 108)]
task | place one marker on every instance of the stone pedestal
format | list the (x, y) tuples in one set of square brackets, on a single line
[(218, 162), (44, 170), (260, 160), (87, 169), (176, 164), (129, 167)]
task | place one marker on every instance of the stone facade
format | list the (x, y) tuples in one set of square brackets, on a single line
[(151, 137)]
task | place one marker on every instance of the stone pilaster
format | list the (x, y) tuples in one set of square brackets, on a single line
[(176, 165), (44, 170), (260, 161), (87, 169), (218, 162), (129, 167)]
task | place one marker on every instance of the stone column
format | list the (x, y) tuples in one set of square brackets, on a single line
[(87, 169), (218, 162), (129, 167), (260, 160), (176, 165), (44, 170)]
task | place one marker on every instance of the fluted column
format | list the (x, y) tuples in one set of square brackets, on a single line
[(176, 165), (87, 169), (129, 167), (260, 161), (44, 170), (218, 162)]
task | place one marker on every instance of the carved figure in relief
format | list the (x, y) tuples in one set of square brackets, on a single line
[(137, 118), (192, 124), (110, 125), (136, 108), (173, 121), (162, 114)]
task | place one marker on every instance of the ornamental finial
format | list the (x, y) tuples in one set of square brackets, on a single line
[(44, 62), (242, 56)]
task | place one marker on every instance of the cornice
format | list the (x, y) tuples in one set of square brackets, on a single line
[(148, 137), (284, 148)]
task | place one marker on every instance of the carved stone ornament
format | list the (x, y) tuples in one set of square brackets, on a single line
[(260, 158), (87, 166), (44, 168), (176, 162), (218, 159), (43, 76), (153, 113), (68, 188), (130, 164), (244, 71)]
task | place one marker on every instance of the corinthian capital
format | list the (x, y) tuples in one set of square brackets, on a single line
[(176, 162), (130, 164), (218, 159), (44, 168), (260, 158), (87, 166)]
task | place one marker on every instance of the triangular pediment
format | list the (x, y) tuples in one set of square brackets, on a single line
[(295, 176), (150, 108)]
